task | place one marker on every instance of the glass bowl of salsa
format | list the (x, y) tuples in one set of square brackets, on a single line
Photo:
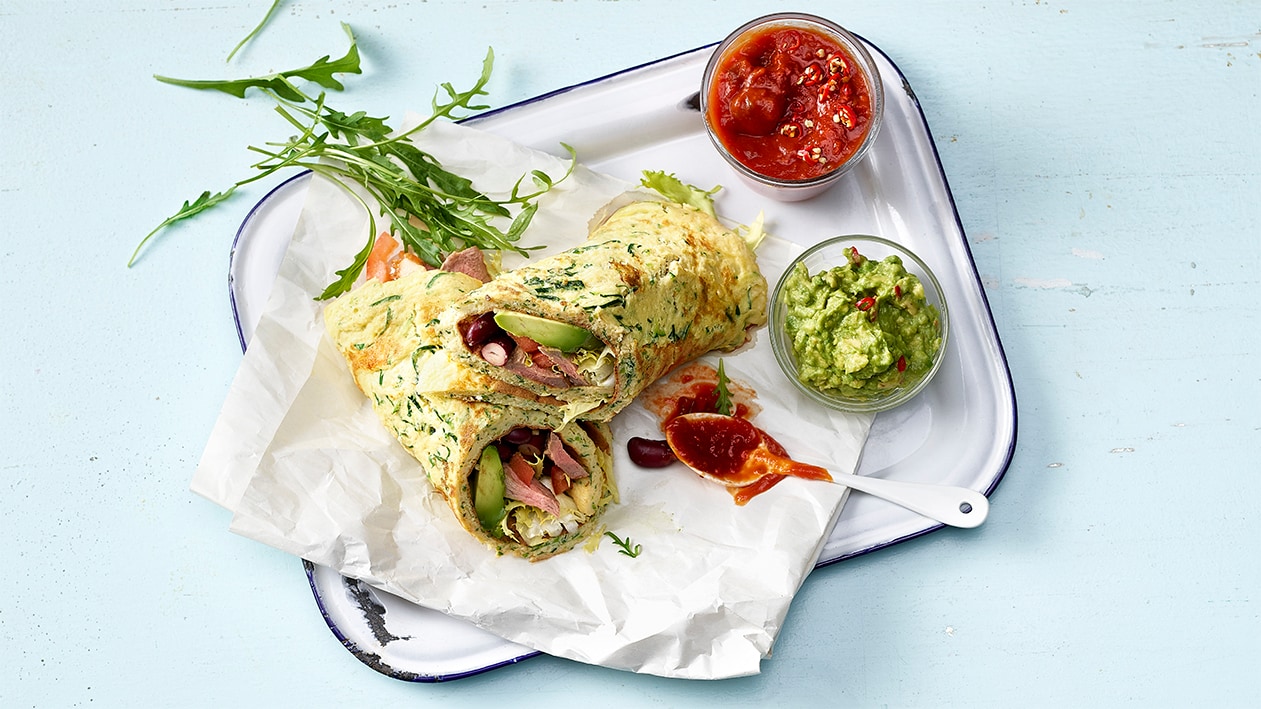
[(792, 102), (859, 323)]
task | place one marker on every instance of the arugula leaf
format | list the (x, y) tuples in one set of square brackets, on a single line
[(627, 547), (348, 275), (676, 190), (320, 71), (202, 203), (723, 404), (431, 210), (254, 32)]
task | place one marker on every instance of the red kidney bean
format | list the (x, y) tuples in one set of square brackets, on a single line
[(518, 435), (480, 330), (649, 453)]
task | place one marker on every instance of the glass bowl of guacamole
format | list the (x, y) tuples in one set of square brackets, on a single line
[(859, 323)]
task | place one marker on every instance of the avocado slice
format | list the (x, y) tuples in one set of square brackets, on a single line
[(488, 499), (549, 333)]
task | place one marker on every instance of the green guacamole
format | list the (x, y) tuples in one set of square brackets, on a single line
[(862, 328)]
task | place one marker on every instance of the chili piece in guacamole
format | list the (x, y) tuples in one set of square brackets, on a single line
[(862, 328)]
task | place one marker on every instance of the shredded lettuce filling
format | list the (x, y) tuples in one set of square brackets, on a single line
[(597, 367), (532, 526)]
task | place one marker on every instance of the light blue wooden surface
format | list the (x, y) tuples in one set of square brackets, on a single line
[(1104, 158)]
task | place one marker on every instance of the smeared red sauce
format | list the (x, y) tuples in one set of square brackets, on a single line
[(789, 103), (702, 398), (694, 389)]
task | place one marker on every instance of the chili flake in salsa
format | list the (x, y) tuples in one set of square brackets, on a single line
[(789, 103)]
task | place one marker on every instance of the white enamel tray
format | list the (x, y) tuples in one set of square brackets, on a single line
[(960, 431)]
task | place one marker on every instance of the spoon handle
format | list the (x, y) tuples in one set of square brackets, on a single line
[(955, 506)]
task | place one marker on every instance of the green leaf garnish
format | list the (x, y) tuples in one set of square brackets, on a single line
[(321, 72), (676, 190), (432, 211), (201, 204), (627, 548), (254, 32), (723, 404)]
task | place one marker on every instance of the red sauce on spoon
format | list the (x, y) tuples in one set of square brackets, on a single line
[(732, 450)]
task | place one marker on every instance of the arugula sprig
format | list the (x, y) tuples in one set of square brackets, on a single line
[(625, 545), (430, 209), (723, 404), (257, 28), (321, 71)]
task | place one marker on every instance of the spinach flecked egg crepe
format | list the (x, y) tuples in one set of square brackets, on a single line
[(655, 285), (515, 473)]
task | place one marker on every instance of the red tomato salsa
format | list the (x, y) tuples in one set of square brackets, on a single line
[(789, 103)]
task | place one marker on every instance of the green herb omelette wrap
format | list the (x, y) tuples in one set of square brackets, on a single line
[(655, 285), (516, 475)]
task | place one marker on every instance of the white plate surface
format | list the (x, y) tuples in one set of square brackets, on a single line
[(960, 431)]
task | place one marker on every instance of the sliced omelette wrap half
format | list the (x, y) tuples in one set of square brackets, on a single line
[(655, 285), (515, 474)]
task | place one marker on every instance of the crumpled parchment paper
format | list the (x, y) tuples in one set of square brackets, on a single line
[(302, 461)]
